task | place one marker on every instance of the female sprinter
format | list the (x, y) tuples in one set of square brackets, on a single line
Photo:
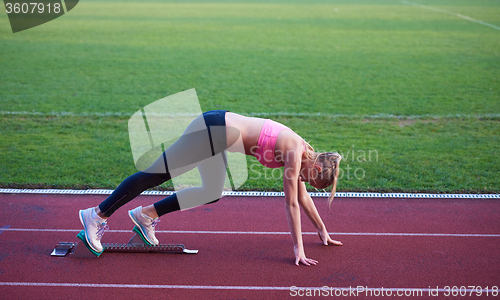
[(273, 144)]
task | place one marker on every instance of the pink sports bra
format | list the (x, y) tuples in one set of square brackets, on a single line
[(267, 143)]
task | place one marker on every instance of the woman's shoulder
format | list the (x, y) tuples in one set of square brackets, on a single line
[(288, 140)]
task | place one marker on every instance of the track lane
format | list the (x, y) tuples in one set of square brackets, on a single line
[(257, 260)]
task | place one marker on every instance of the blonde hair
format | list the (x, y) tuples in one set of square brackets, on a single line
[(329, 173)]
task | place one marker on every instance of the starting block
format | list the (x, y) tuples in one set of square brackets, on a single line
[(134, 245)]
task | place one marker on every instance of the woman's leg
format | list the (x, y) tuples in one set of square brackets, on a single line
[(197, 143), (94, 219), (191, 148), (130, 188), (213, 175)]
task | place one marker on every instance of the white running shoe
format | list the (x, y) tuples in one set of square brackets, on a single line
[(145, 225), (93, 229)]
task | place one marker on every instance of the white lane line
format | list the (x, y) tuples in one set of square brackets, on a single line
[(272, 233), (451, 14), (143, 286), (256, 194), (353, 290), (256, 114)]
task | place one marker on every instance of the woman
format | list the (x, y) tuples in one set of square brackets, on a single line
[(273, 144)]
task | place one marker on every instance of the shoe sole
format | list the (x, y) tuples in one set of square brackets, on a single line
[(86, 237), (138, 229), (81, 236)]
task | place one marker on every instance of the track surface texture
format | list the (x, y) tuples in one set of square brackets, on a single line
[(246, 252)]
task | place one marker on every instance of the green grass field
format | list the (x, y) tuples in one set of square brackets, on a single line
[(410, 95)]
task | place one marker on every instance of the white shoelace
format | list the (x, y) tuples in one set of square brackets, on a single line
[(101, 227), (154, 224)]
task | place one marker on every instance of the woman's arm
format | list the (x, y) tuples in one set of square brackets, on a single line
[(290, 186), (307, 204)]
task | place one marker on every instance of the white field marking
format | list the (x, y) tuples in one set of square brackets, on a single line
[(271, 233), (451, 14), (257, 194), (256, 114), (357, 289)]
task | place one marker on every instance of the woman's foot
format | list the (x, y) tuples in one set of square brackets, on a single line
[(145, 225), (94, 227)]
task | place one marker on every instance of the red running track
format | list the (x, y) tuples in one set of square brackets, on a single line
[(388, 243)]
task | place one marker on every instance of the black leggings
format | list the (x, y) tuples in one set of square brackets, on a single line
[(204, 149)]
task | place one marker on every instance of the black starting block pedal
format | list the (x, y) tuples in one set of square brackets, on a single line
[(135, 245)]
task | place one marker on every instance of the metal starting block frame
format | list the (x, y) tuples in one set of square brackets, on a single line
[(135, 245)]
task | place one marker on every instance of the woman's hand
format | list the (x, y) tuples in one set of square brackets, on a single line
[(325, 238), (300, 256)]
